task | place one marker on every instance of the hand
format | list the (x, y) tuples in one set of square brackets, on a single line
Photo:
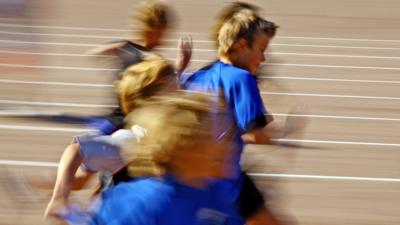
[(56, 208), (296, 122), (185, 46)]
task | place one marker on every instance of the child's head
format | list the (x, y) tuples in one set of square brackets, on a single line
[(244, 37), (180, 139), (152, 18), (226, 13), (144, 80)]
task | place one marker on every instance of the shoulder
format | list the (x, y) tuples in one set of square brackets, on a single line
[(136, 195), (148, 188), (108, 48), (136, 202)]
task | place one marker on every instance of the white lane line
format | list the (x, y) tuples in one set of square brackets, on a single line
[(283, 140), (276, 175), (63, 104), (63, 27), (338, 142), (197, 60), (55, 83), (41, 103), (56, 67), (335, 46), (319, 177), (175, 40), (329, 79), (90, 36), (332, 66), (259, 77), (291, 176), (64, 35), (54, 54), (330, 96), (33, 113), (197, 33), (338, 39), (83, 28), (333, 55), (336, 117), (204, 50), (50, 43), (27, 163), (36, 128)]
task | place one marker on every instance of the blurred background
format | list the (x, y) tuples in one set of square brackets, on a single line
[(338, 60)]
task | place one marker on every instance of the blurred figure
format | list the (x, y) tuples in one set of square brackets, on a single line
[(152, 17), (181, 156), (243, 37), (91, 153)]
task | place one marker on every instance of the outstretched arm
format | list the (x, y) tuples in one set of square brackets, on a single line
[(185, 46)]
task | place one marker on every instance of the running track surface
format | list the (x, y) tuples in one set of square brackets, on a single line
[(338, 59)]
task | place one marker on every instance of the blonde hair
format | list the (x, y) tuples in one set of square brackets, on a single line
[(151, 15), (226, 13), (174, 123), (244, 24), (144, 80)]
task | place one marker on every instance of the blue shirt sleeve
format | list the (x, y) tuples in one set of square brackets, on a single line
[(133, 203), (247, 103)]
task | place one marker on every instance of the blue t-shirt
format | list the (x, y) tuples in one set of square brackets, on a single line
[(241, 94), (153, 201)]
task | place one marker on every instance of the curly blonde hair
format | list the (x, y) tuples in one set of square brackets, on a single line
[(173, 123), (144, 80)]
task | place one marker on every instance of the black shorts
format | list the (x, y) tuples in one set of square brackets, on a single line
[(250, 198)]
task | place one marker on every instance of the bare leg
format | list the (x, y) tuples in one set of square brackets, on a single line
[(68, 169)]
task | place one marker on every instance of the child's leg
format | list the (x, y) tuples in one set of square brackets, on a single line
[(65, 182)]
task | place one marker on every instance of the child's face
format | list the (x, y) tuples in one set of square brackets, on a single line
[(251, 57), (154, 37)]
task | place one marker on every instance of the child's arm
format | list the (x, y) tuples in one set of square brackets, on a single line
[(185, 46)]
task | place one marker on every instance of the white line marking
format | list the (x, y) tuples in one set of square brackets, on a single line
[(337, 117), (196, 60), (55, 83), (55, 54), (27, 163), (56, 67), (335, 46), (338, 39), (64, 35), (33, 113), (293, 176), (338, 142), (329, 79), (203, 50), (83, 28), (39, 103), (319, 177), (175, 40), (330, 96), (129, 30), (36, 128), (50, 43), (332, 66), (333, 55)]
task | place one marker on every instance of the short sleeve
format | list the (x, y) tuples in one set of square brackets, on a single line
[(247, 103)]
